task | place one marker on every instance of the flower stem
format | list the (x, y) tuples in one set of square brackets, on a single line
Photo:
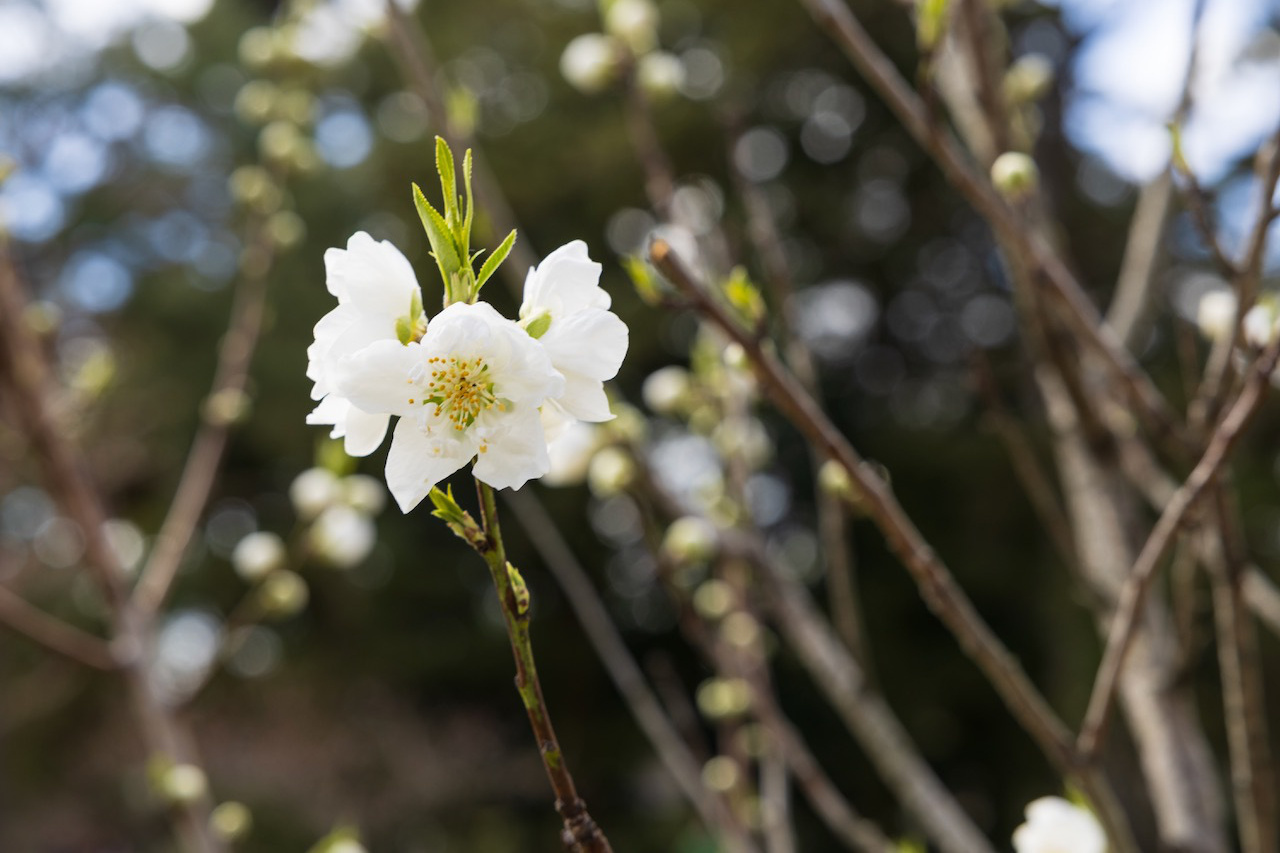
[(581, 834)]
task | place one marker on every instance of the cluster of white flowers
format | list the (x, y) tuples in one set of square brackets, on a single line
[(592, 62), (468, 383), (1216, 318)]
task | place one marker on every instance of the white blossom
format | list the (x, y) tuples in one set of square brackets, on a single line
[(313, 491), (568, 312), (571, 454), (257, 555), (633, 21), (1056, 826), (1216, 314), (666, 389), (471, 387), (1261, 324), (342, 537), (376, 288), (660, 73), (590, 62)]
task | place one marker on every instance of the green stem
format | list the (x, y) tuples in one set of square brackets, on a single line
[(581, 834)]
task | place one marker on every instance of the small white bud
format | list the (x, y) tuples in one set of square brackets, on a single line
[(231, 821), (611, 470), (342, 537), (590, 62), (1054, 824), (183, 783), (257, 555), (364, 493), (721, 774), (1029, 78), (666, 390), (690, 540), (1216, 314), (660, 74), (282, 594), (635, 22), (1261, 324), (719, 698), (1015, 175), (313, 491), (713, 599)]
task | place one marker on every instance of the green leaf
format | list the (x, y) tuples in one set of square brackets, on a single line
[(404, 330), (643, 279), (442, 247), (539, 326), (415, 305), (445, 506), (470, 212), (448, 180), (519, 589), (495, 260), (931, 22)]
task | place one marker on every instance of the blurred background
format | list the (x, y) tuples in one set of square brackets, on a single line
[(142, 136)]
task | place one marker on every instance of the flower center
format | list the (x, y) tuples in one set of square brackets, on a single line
[(460, 389)]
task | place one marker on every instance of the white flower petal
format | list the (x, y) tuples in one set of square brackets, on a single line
[(566, 281), (416, 462), (371, 275), (519, 456), (591, 343), (378, 378), (332, 410), (364, 431), (584, 399)]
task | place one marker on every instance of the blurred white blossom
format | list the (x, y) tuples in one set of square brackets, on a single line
[(1216, 314), (571, 454), (257, 555), (1056, 826), (1261, 323), (666, 389), (313, 491), (342, 536), (590, 62)]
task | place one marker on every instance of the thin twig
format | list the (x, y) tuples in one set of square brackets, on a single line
[(205, 457), (1263, 598), (1150, 406), (1124, 623), (24, 369), (622, 668), (936, 583), (581, 833), (53, 633), (1244, 709), (1131, 303)]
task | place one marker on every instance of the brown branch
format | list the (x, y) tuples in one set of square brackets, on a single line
[(937, 586), (52, 633), (205, 457), (1244, 709), (1131, 303), (1124, 623), (839, 22), (1263, 598), (27, 375), (581, 833), (621, 666)]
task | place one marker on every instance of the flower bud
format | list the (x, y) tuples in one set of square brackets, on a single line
[(661, 74), (1015, 175), (282, 594), (723, 698), (256, 101), (611, 470), (286, 229), (342, 537), (231, 821), (1029, 78), (258, 555), (740, 629), (690, 540), (571, 454), (182, 783), (257, 47), (666, 391), (721, 774), (313, 491), (713, 599), (1261, 324), (634, 22), (590, 62), (279, 141), (364, 493), (1216, 314), (42, 317)]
